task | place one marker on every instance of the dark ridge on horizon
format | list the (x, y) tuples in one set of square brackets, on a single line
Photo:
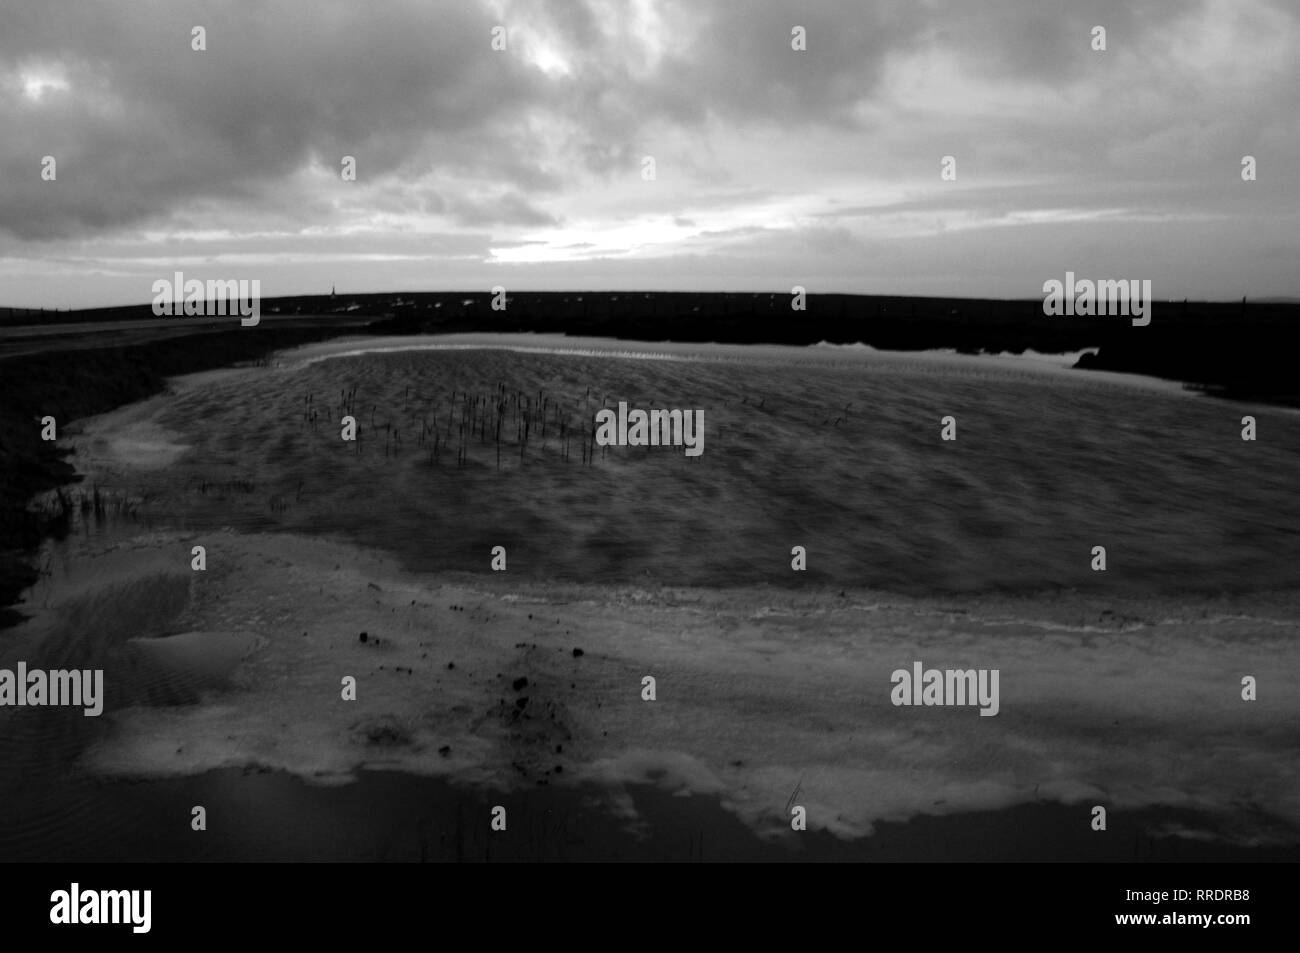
[(1235, 349), (379, 303)]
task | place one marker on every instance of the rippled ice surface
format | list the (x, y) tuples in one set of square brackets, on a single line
[(843, 458)]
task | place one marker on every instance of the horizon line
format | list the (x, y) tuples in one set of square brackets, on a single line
[(1265, 299)]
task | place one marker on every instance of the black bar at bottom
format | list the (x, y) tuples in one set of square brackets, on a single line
[(518, 904)]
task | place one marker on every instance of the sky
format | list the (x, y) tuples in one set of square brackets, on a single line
[(525, 167)]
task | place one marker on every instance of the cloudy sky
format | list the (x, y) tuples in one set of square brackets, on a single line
[(773, 167)]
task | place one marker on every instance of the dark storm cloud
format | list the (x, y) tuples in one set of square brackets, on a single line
[(412, 88), (151, 122), (1048, 42), (404, 87), (739, 61), (728, 61)]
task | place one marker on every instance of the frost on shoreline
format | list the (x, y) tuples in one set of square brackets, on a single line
[(758, 692)]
